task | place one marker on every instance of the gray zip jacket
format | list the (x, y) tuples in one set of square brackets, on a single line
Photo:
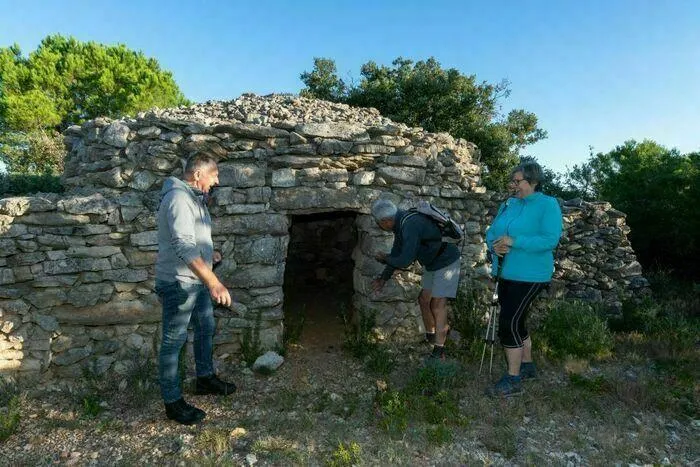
[(184, 232)]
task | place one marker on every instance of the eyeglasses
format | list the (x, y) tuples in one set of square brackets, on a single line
[(516, 181)]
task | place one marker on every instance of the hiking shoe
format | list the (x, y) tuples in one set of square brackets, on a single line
[(184, 413), (213, 385), (528, 370), (430, 338), (437, 355), (507, 386)]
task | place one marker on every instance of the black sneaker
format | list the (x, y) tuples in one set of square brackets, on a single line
[(430, 338), (528, 370), (213, 385), (184, 413), (507, 386), (437, 355)]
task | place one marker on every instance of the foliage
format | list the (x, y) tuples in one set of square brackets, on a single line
[(8, 390), (468, 320), (439, 100), (92, 406), (392, 412), (66, 81), (9, 419), (361, 342), (251, 348), (658, 189), (13, 184), (34, 152), (346, 455), (574, 328)]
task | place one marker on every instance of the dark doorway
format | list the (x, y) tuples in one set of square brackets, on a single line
[(318, 278)]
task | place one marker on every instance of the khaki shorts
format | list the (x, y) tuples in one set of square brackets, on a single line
[(443, 282)]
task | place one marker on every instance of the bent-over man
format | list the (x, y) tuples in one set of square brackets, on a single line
[(418, 237)]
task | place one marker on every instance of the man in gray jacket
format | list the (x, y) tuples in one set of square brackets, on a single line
[(186, 285)]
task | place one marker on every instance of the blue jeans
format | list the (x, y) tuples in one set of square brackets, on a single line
[(184, 302)]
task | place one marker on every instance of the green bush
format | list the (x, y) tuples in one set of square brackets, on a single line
[(468, 318), (345, 455), (575, 328), (14, 184), (251, 348), (9, 418), (392, 410), (636, 316)]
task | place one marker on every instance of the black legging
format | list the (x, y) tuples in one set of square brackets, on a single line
[(515, 298)]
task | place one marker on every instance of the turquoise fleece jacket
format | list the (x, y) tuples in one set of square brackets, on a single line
[(535, 225)]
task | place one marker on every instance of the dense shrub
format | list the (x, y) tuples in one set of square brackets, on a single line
[(12, 184), (575, 328)]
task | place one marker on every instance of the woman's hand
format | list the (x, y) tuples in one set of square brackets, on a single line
[(502, 245)]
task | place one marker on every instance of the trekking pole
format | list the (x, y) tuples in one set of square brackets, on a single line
[(490, 337)]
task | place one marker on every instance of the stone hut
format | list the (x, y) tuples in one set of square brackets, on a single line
[(297, 178)]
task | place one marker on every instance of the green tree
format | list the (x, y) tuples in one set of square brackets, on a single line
[(426, 95), (659, 190), (65, 82)]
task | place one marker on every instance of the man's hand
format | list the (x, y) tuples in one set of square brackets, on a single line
[(381, 257), (216, 257), (220, 294), (378, 284), (502, 245)]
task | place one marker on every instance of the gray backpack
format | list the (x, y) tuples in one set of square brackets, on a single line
[(451, 231)]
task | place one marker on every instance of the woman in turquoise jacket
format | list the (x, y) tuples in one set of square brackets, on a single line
[(522, 239)]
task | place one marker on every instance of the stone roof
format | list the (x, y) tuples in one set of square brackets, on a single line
[(279, 110)]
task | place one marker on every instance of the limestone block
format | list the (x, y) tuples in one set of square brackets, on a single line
[(363, 178), (149, 237), (335, 130), (370, 148), (92, 252), (255, 224), (92, 204), (143, 180), (55, 281), (333, 146), (126, 275), (402, 174), (116, 134), (239, 175), (144, 310), (257, 276), (284, 177), (26, 259), (45, 322), (264, 250), (70, 265), (247, 130), (17, 206), (71, 356), (149, 132), (90, 294), (54, 219)]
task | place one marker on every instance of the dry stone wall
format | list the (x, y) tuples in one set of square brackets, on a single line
[(77, 270)]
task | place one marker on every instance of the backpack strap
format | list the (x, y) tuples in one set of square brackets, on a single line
[(412, 212)]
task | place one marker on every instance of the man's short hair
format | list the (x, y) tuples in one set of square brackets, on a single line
[(532, 172), (383, 209), (199, 161)]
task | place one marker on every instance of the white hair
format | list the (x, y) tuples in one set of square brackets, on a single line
[(383, 209)]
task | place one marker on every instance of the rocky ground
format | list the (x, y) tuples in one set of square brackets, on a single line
[(322, 407)]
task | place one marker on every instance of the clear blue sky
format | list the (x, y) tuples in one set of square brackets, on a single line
[(595, 72)]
